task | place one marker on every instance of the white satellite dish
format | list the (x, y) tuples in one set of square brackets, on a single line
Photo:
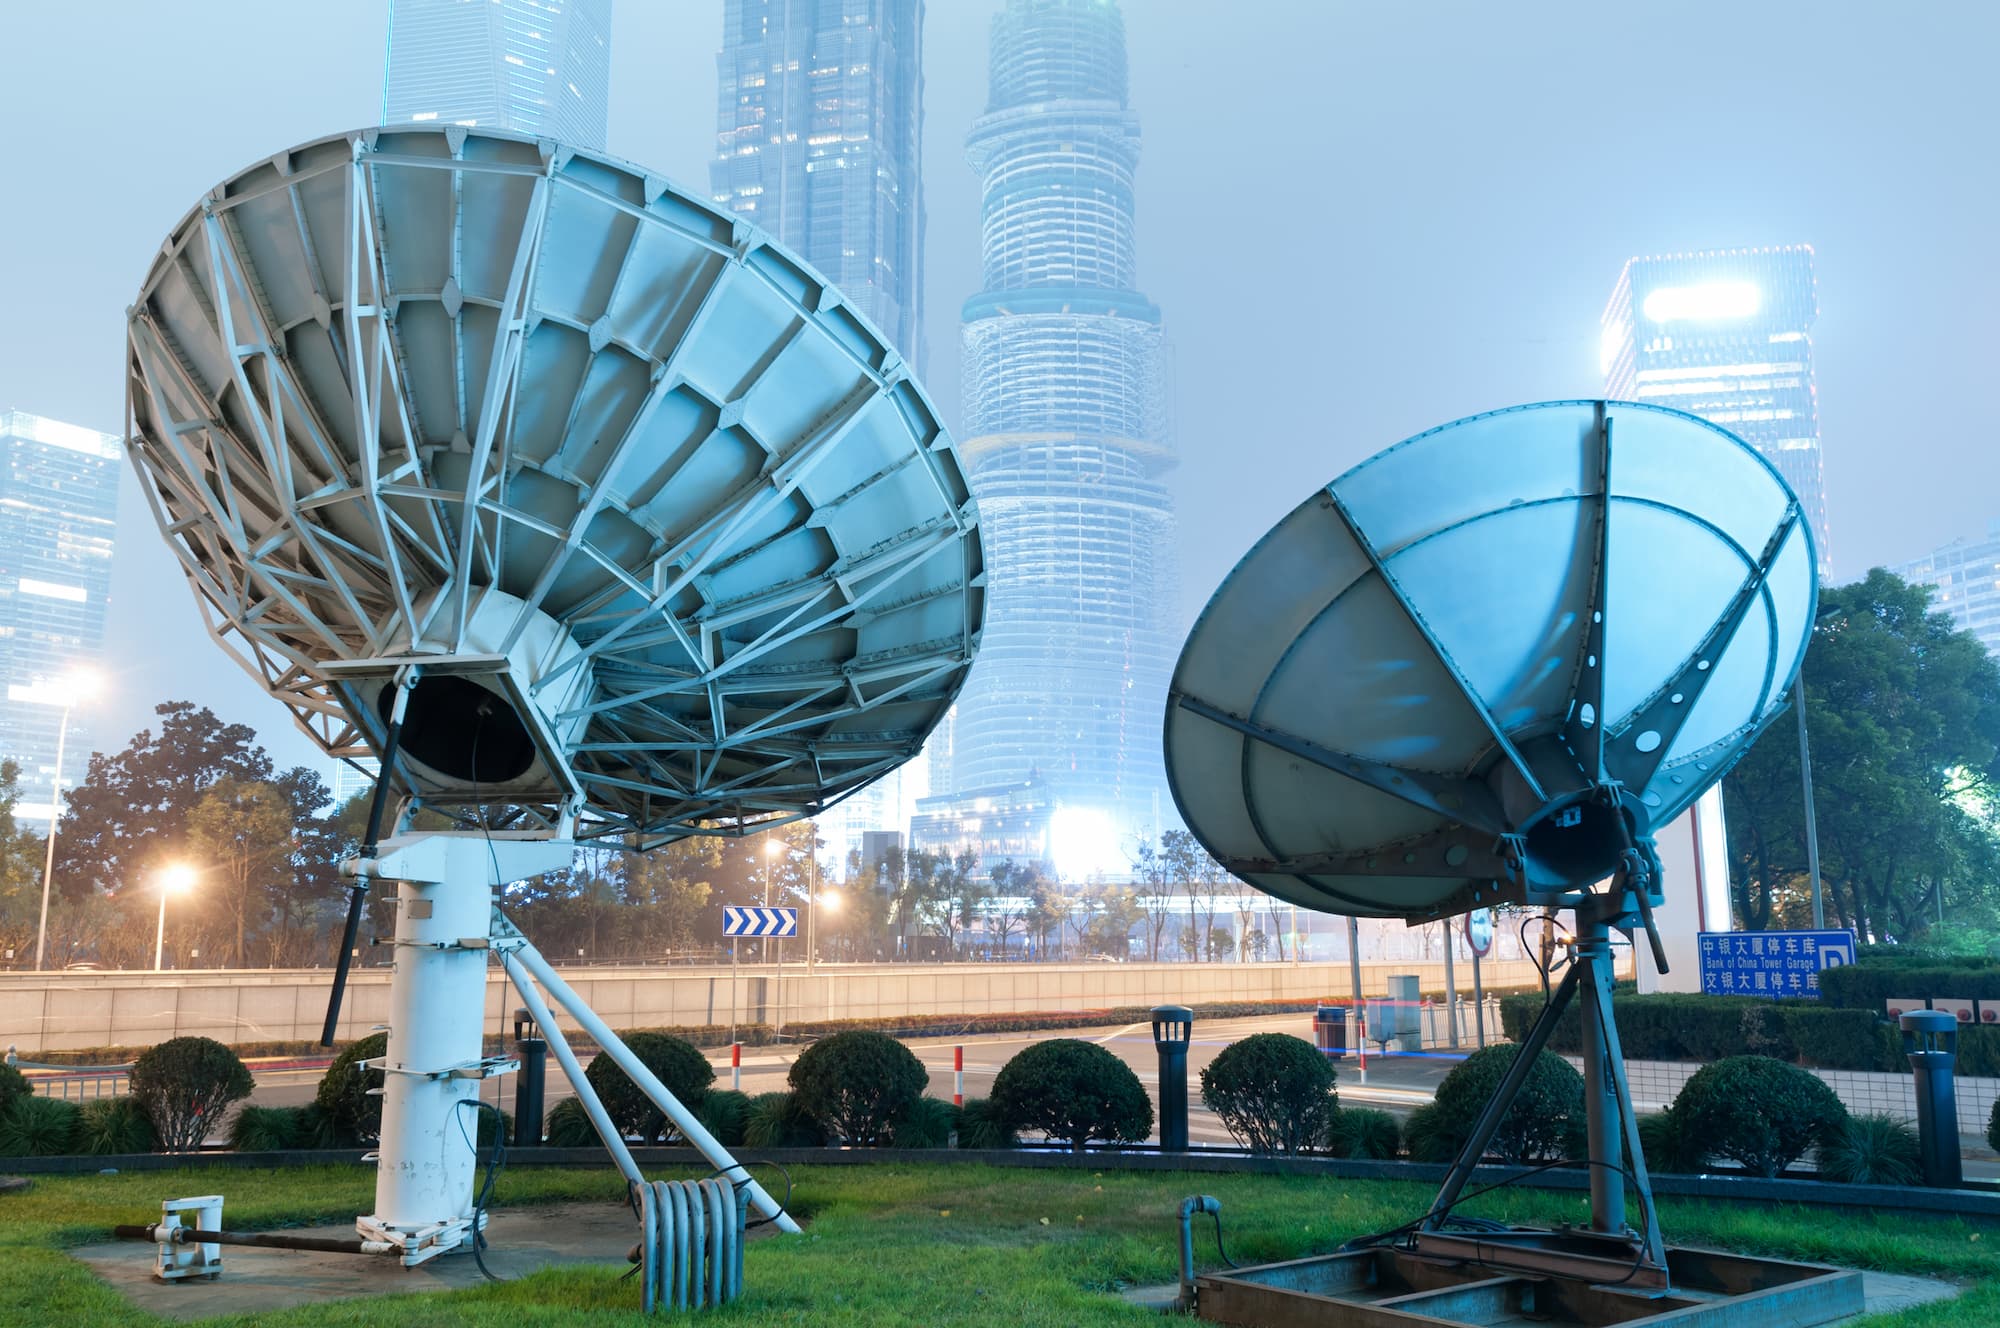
[(1484, 667), (567, 494)]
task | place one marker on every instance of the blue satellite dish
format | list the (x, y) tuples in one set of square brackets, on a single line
[(1485, 665)]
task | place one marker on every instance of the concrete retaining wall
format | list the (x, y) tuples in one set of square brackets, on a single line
[(63, 1011)]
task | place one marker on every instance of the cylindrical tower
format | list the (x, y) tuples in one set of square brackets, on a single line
[(1066, 430)]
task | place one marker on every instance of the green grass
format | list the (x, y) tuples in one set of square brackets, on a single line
[(927, 1245)]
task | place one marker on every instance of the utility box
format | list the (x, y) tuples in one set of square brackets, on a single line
[(1173, 1029), (1406, 1012), (1330, 1030)]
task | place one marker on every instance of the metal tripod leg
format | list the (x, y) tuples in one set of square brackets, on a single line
[(1615, 1151)]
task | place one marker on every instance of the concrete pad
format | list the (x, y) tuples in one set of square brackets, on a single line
[(257, 1281)]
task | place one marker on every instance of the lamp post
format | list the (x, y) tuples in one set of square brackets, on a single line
[(817, 900), (1812, 825), (173, 880), (772, 848), (80, 685)]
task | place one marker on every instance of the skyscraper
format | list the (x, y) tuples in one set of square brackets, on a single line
[(534, 66), (819, 141), (1726, 334), (1965, 580), (58, 515), (1066, 430)]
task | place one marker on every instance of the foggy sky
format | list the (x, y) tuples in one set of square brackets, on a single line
[(1359, 220)]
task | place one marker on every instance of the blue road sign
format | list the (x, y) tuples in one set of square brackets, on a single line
[(759, 921), (1770, 963)]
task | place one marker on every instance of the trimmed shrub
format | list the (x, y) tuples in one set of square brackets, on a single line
[(980, 1126), (679, 1065), (113, 1125), (13, 1087), (722, 1113), (1679, 1026), (1837, 1039), (1873, 1149), (1668, 1148), (185, 1086), (1992, 1127), (926, 1123), (1759, 1112), (354, 1114), (1537, 1128), (1274, 1092), (38, 1127), (1073, 1091), (1362, 1132), (1868, 985), (775, 1120), (568, 1126), (265, 1129), (855, 1083)]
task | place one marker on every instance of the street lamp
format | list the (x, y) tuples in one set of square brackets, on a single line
[(772, 848), (80, 685), (815, 901), (174, 880)]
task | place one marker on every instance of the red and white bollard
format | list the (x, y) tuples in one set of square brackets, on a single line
[(958, 1076), (736, 1066), (1361, 1035)]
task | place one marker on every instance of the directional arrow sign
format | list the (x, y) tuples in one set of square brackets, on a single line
[(759, 921)]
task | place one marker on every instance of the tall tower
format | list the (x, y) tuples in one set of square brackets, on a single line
[(534, 66), (59, 490), (1726, 334), (1066, 430), (819, 132)]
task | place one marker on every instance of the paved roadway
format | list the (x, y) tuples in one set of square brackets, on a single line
[(1398, 1084)]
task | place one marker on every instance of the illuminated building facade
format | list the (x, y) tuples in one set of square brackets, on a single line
[(1066, 433), (1726, 334), (533, 66), (819, 141), (1007, 823), (59, 497), (1964, 577)]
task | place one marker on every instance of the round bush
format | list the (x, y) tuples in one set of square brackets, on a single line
[(1537, 1128), (1073, 1091), (776, 1120), (352, 1113), (723, 1111), (980, 1126), (13, 1087), (1993, 1128), (113, 1125), (1759, 1112), (38, 1127), (678, 1064), (185, 1086), (1274, 1092), (1873, 1149), (855, 1084), (568, 1126), (1362, 1132)]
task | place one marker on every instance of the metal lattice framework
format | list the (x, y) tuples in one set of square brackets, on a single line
[(379, 377)]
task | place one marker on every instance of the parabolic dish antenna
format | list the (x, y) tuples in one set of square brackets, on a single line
[(679, 543), (1487, 664)]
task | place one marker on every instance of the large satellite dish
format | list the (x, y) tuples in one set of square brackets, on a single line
[(1485, 664), (683, 543)]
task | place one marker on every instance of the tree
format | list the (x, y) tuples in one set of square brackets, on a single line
[(20, 868), (1007, 904), (1113, 930), (963, 896), (1189, 865), (241, 835), (670, 886), (1149, 868), (1904, 717)]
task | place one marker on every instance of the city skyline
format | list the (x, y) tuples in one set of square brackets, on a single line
[(532, 66), (1066, 432), (1395, 259), (59, 493), (1964, 576)]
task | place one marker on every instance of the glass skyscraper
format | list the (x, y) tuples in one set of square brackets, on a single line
[(58, 517), (533, 66), (1964, 577), (1066, 431), (819, 141), (1726, 334)]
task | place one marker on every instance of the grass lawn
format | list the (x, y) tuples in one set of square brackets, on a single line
[(928, 1245)]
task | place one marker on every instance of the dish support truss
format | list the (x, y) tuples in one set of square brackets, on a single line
[(447, 925)]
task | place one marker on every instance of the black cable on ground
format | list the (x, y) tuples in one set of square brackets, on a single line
[(1218, 1242), (496, 1162)]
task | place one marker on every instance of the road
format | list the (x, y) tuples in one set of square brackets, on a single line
[(1398, 1084)]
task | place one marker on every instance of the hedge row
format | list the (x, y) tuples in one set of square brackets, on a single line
[(1670, 1026), (1867, 986)]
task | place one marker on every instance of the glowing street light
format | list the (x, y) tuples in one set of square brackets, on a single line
[(174, 880), (79, 685)]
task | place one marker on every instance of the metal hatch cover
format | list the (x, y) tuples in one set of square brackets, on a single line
[(1488, 663)]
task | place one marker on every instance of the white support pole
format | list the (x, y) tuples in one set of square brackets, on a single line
[(593, 1107), (524, 953)]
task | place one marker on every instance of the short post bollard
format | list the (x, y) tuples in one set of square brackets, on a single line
[(958, 1076), (736, 1067), (534, 1049), (1173, 1029), (1930, 1040)]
